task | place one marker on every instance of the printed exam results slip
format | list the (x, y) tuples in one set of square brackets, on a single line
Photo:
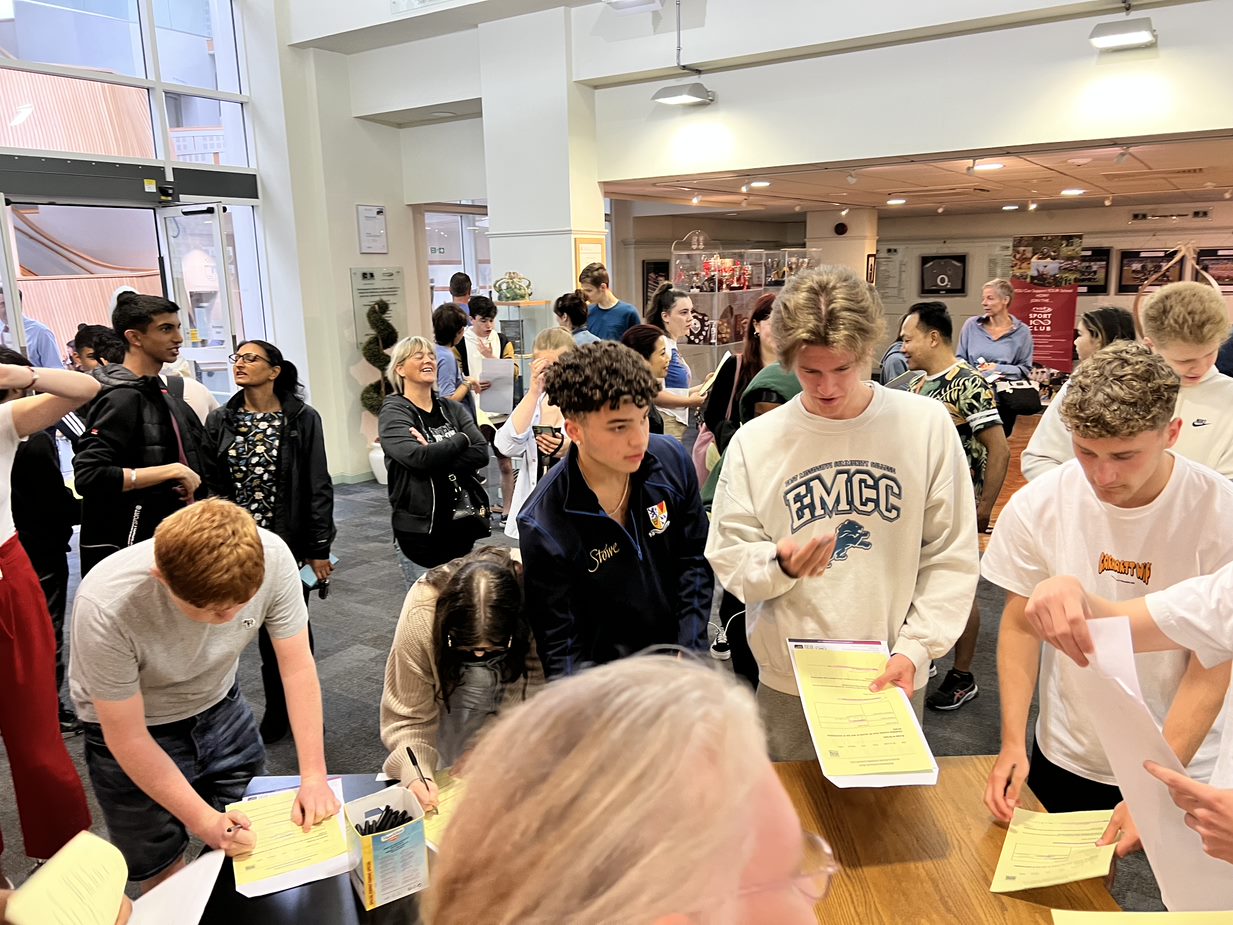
[(862, 738)]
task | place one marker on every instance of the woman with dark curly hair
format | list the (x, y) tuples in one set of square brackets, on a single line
[(462, 651), (613, 536)]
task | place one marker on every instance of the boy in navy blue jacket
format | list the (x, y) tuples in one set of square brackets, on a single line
[(612, 539)]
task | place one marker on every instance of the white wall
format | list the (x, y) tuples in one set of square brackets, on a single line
[(443, 162), (430, 72), (980, 236), (1024, 86)]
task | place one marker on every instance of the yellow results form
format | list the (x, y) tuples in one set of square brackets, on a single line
[(862, 738), (1045, 849), (449, 792)]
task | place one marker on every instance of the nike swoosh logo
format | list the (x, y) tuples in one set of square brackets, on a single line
[(1200, 422)]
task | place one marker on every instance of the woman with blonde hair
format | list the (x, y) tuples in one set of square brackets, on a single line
[(461, 652), (432, 452), (535, 433), (638, 792), (996, 343)]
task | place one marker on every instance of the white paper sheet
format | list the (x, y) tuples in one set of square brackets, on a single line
[(183, 898), (924, 778), (499, 397), (1189, 879)]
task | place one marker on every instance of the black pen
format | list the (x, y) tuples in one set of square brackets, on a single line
[(415, 764)]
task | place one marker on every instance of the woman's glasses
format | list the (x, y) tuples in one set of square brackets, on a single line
[(247, 358), (814, 873)]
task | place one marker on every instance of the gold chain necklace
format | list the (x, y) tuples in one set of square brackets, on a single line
[(620, 504)]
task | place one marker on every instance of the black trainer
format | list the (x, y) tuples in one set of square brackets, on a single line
[(70, 725), (957, 689)]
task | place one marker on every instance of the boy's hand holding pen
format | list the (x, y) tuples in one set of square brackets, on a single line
[(423, 789)]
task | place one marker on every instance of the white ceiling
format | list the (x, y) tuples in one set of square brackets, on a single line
[(1147, 174)]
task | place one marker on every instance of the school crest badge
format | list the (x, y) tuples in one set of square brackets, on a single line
[(658, 515)]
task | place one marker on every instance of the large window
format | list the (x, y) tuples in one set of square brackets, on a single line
[(96, 77)]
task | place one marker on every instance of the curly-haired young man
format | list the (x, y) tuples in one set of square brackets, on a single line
[(1132, 498), (612, 539)]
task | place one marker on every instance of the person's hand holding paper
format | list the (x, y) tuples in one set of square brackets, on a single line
[(899, 671), (1128, 841), (1209, 811), (314, 803)]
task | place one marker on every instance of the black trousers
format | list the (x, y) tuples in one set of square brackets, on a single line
[(1062, 791), (271, 679), (53, 574), (743, 661)]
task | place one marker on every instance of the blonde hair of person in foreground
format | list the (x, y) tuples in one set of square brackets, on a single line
[(636, 792)]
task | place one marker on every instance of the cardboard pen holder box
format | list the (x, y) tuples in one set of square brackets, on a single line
[(391, 864)]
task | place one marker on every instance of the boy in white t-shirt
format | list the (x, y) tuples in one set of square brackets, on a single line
[(1112, 517), (1185, 323)]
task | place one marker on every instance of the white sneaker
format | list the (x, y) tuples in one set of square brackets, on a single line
[(933, 670)]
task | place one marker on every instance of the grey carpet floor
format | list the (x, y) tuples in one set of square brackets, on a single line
[(354, 627)]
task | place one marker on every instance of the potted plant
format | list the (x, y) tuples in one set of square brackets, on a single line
[(384, 335)]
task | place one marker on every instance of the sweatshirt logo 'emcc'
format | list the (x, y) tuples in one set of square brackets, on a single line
[(818, 494)]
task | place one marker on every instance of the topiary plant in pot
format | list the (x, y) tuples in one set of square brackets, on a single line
[(384, 335)]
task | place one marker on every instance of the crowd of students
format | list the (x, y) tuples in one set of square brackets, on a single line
[(818, 503)]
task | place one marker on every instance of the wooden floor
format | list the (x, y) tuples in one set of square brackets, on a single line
[(1024, 428)]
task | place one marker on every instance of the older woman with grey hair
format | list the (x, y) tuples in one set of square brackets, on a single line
[(997, 343), (638, 792), (431, 446)]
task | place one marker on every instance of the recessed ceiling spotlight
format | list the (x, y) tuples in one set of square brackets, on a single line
[(760, 184), (983, 167), (744, 187), (798, 208), (844, 211), (1209, 185), (1073, 192), (896, 201), (1079, 161), (1122, 156), (851, 178), (1108, 200), (696, 199), (1032, 206), (731, 213), (1228, 194), (1010, 208), (941, 209)]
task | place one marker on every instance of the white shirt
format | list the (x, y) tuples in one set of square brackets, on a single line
[(1206, 410), (521, 446), (1195, 614), (9, 441), (1056, 525)]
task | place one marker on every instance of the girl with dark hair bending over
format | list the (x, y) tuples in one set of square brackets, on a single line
[(265, 451), (462, 651)]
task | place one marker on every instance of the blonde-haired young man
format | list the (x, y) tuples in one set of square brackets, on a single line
[(158, 629), (1185, 323), (846, 513), (1132, 498)]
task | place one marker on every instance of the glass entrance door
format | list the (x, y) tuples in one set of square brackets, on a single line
[(202, 275)]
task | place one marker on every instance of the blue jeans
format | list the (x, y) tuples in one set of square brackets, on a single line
[(218, 751)]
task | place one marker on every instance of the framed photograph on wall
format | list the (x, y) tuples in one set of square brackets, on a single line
[(1136, 267), (871, 269), (654, 272), (1218, 263), (1094, 270), (944, 274)]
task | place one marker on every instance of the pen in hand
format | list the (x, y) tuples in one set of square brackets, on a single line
[(415, 764)]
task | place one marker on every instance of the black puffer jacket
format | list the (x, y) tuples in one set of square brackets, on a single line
[(304, 506), (130, 427)]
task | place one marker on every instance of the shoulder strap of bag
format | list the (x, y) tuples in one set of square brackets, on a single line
[(736, 381)]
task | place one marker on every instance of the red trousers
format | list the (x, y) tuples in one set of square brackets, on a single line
[(50, 799)]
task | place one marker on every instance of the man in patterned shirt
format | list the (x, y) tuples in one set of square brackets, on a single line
[(926, 335)]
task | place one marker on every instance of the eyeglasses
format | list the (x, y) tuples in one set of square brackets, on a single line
[(247, 358), (814, 873)]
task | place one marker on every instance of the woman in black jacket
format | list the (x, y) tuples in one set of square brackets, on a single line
[(265, 451), (433, 449)]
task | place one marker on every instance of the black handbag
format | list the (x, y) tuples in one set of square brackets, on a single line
[(1018, 396), (471, 515)]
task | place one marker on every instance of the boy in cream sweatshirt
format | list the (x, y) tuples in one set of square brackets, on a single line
[(845, 514)]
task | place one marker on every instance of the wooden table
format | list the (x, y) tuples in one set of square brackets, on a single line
[(922, 854)]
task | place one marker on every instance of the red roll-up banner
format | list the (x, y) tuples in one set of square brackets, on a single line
[(1045, 276)]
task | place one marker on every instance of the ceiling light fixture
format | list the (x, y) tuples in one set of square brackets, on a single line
[(1032, 205), (1122, 156), (1108, 200), (745, 188), (798, 208), (1073, 192), (844, 211), (1228, 194), (851, 178), (993, 166), (696, 199), (1129, 33), (896, 201), (760, 184), (941, 209), (690, 94), (970, 168), (1010, 208)]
